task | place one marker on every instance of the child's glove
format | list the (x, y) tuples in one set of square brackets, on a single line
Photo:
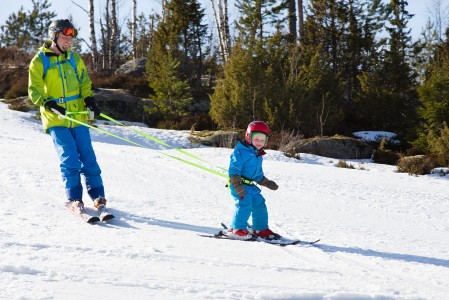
[(236, 182), (54, 107), (268, 183)]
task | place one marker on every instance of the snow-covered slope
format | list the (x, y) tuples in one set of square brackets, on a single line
[(383, 235)]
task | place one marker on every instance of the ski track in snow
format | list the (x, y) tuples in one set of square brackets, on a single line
[(383, 234)]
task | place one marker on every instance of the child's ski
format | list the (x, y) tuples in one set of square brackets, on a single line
[(280, 240)]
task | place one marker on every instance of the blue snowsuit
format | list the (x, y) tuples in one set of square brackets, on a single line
[(74, 148), (246, 161)]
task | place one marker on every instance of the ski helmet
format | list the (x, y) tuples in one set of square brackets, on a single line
[(256, 127), (64, 26)]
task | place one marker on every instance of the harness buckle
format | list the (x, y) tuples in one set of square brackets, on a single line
[(61, 100), (247, 181)]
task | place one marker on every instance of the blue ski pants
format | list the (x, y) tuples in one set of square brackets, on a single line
[(77, 156), (252, 204)]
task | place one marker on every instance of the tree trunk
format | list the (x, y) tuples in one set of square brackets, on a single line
[(114, 34), (133, 29), (260, 21), (217, 22), (301, 18), (226, 34), (222, 28), (93, 39), (105, 38), (292, 19), (164, 4)]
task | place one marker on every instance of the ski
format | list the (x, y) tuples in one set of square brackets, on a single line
[(282, 241), (103, 214), (86, 217), (279, 240), (225, 237)]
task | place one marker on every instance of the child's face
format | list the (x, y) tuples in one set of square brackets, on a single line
[(259, 140)]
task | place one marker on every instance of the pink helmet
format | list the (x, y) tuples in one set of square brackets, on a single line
[(256, 126)]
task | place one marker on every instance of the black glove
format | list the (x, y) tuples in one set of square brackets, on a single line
[(236, 182), (54, 107), (92, 105), (268, 183)]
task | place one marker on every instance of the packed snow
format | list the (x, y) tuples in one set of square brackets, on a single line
[(384, 235)]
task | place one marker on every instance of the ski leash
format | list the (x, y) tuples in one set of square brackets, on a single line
[(191, 163), (158, 141)]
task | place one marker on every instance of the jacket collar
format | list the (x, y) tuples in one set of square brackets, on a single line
[(251, 147)]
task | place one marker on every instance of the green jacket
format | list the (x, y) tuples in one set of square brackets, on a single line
[(60, 82)]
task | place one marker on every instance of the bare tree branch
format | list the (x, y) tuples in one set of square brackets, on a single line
[(80, 7)]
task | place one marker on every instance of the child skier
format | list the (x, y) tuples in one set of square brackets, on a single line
[(245, 169)]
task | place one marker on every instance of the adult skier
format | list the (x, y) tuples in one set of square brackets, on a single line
[(60, 86)]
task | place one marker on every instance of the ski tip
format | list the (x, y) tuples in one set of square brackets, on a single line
[(93, 220), (107, 218)]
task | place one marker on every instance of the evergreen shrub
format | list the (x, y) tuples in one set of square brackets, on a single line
[(383, 155), (438, 141)]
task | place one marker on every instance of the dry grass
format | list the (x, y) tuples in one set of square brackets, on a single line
[(138, 86), (286, 141), (417, 165)]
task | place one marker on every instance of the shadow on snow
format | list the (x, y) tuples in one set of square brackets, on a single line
[(386, 255), (326, 248)]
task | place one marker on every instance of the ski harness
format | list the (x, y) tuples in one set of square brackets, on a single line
[(46, 64)]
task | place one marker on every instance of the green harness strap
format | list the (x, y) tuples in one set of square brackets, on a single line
[(152, 138), (143, 146)]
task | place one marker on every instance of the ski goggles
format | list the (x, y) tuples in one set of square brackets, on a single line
[(68, 31)]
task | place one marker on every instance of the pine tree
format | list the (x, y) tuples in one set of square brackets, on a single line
[(254, 15), (316, 71), (434, 91), (180, 36), (424, 49), (144, 32), (238, 97), (316, 104), (399, 78), (251, 86), (187, 37), (15, 33), (387, 99), (171, 95), (27, 30)]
